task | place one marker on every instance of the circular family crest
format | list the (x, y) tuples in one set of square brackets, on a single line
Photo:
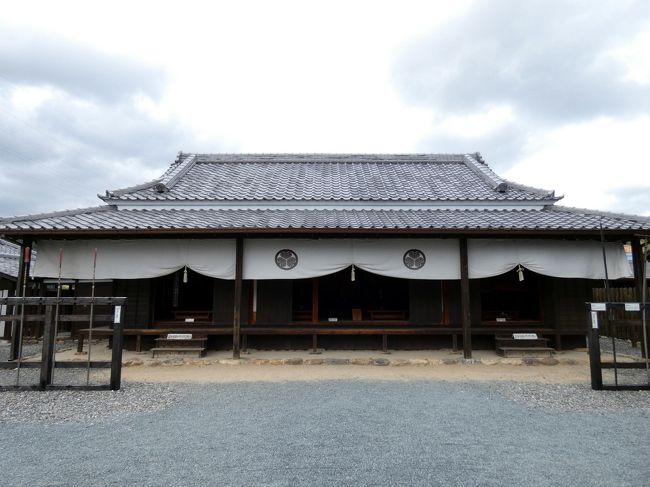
[(414, 259), (286, 259)]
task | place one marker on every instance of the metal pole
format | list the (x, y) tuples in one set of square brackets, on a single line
[(644, 266), (56, 314), (92, 315), (608, 299), (26, 256)]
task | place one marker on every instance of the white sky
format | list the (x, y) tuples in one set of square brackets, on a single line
[(312, 77)]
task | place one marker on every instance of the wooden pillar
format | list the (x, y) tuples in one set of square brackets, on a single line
[(464, 299), (236, 328), (638, 266), (116, 353), (23, 273), (314, 300), (49, 342)]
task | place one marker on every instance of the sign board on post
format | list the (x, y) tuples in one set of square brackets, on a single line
[(179, 336), (117, 317), (598, 307), (632, 307), (524, 336), (594, 320)]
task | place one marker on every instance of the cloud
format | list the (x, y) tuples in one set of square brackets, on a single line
[(74, 122), (549, 63), (548, 60), (33, 58)]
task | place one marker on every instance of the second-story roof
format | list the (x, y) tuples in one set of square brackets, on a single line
[(329, 177)]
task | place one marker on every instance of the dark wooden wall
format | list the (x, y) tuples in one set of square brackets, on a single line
[(564, 302), (137, 312), (425, 303), (224, 301), (452, 300), (7, 284), (274, 303)]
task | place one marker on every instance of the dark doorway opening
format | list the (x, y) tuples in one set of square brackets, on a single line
[(506, 299), (178, 300), (368, 297)]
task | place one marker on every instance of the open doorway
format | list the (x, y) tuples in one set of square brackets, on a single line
[(176, 300), (370, 297)]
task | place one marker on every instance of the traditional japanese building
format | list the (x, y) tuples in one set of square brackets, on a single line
[(350, 250)]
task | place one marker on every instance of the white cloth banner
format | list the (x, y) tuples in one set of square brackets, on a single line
[(556, 258), (326, 256), (135, 259)]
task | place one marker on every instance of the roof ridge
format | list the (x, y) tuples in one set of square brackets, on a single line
[(476, 163), (175, 172), (54, 214), (484, 172), (327, 157)]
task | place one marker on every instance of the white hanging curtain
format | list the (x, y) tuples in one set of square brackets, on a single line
[(386, 257), (314, 258), (556, 258), (135, 259), (436, 258)]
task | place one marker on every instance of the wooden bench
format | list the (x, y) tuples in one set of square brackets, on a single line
[(383, 314), (348, 328), (104, 332), (195, 315)]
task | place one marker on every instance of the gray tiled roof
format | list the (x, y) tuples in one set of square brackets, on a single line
[(108, 218), (9, 256), (329, 177)]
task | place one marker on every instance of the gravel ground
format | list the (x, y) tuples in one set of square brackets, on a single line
[(328, 433), (624, 347), (625, 376)]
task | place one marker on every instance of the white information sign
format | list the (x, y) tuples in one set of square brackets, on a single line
[(632, 307), (117, 316), (179, 336), (594, 320), (598, 307), (524, 336), (189, 320)]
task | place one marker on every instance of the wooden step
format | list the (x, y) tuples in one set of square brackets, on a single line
[(186, 342), (525, 351), (512, 342), (200, 351)]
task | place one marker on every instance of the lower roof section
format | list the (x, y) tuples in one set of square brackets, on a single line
[(109, 220)]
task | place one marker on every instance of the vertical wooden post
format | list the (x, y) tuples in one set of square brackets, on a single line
[(23, 273), (637, 265), (236, 328), (465, 299), (116, 355), (49, 342), (595, 366), (314, 300)]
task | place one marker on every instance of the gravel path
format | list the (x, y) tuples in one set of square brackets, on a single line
[(328, 433), (624, 347)]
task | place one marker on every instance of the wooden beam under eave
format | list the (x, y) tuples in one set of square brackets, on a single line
[(236, 329), (465, 299)]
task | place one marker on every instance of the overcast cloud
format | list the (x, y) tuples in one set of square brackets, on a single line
[(554, 93)]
